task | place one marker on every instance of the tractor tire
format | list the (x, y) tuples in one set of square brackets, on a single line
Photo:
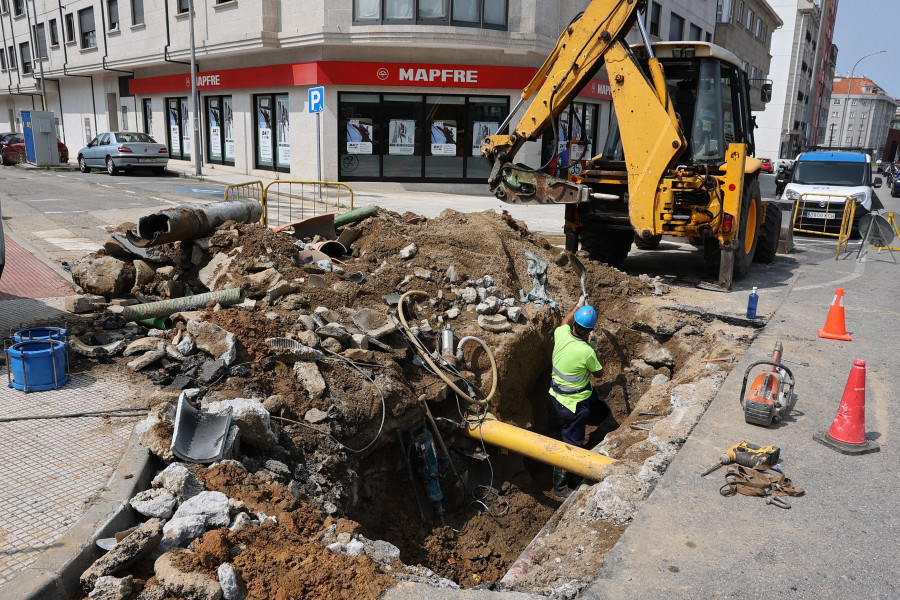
[(651, 243), (767, 247), (607, 245), (747, 239)]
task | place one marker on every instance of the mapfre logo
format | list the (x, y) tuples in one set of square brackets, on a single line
[(383, 73)]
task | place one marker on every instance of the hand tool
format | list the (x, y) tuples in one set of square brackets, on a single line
[(582, 272), (772, 392), (747, 455)]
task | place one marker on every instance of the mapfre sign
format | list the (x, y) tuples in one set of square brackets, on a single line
[(351, 74)]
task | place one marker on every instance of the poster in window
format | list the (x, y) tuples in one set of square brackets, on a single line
[(215, 130), (284, 130), (401, 137), (148, 108), (174, 129), (359, 136), (443, 138), (264, 125), (228, 125), (185, 127), (481, 130), (562, 137)]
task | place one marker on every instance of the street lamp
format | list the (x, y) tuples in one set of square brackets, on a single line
[(850, 88)]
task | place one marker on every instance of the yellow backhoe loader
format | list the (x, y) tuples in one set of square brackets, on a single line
[(678, 160)]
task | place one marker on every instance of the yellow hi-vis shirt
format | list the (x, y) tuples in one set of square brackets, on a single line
[(573, 362)]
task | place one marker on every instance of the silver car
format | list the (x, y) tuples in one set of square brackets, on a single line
[(117, 150)]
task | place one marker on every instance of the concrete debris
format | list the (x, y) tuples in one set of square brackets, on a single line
[(195, 585), (514, 313), (142, 346), (136, 545), (152, 592), (659, 379), (241, 522), (423, 274), (359, 341), (214, 340), (336, 331), (311, 378), (180, 531), (251, 418), (314, 415), (156, 431), (146, 360), (104, 276), (490, 306), (452, 313), (656, 355), (469, 295), (361, 356), (409, 252), (230, 582), (333, 345), (111, 588), (494, 323), (211, 371), (212, 506), (217, 271), (156, 503), (186, 346), (179, 480), (84, 303), (104, 351), (283, 288)]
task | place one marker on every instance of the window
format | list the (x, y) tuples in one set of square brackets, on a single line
[(11, 53), (696, 33), (40, 38), (125, 118), (655, 11), (853, 102), (4, 8), (724, 9), (2, 59), (25, 57), (18, 7), (112, 13), (490, 14), (750, 19), (759, 27), (739, 15), (865, 115), (88, 30), (676, 27), (54, 33), (273, 132), (183, 6), (178, 130), (837, 101), (219, 130), (835, 114), (70, 27), (850, 127), (708, 37), (852, 114), (137, 12)]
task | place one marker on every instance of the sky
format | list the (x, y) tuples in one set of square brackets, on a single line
[(865, 26)]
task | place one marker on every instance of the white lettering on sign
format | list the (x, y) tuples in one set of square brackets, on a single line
[(439, 75), (208, 80)]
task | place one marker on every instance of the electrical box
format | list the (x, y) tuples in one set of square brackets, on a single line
[(39, 129)]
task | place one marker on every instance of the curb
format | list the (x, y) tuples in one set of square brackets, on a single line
[(55, 574)]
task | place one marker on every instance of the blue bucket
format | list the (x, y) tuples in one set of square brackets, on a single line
[(40, 333), (38, 365)]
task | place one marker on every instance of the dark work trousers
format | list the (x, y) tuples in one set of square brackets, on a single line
[(574, 423)]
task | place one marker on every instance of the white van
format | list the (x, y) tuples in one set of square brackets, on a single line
[(823, 180)]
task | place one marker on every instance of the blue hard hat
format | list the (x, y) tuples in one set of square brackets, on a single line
[(586, 317)]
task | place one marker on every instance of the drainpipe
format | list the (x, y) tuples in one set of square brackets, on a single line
[(169, 41), (106, 54), (8, 69), (66, 68), (35, 44), (18, 91)]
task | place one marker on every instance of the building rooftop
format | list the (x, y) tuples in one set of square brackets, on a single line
[(861, 85)]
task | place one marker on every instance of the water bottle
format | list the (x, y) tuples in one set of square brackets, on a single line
[(751, 304)]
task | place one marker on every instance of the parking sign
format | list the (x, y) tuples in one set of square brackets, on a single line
[(317, 99)]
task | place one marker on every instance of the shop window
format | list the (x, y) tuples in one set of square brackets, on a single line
[(489, 14), (70, 27), (147, 103), (88, 29), (273, 132), (178, 131), (137, 12), (219, 130), (414, 137), (54, 33)]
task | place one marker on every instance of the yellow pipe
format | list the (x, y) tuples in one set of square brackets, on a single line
[(539, 447)]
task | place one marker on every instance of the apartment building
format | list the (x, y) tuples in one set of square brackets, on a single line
[(860, 115), (801, 52)]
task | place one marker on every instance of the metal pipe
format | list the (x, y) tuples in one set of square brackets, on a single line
[(164, 308), (191, 221), (552, 452), (354, 216)]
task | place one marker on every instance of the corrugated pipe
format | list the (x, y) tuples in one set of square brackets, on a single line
[(157, 323), (164, 308), (191, 221), (355, 216)]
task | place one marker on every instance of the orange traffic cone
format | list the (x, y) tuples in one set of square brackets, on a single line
[(847, 434), (834, 324)]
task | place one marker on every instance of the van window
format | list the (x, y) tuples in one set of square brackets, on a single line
[(830, 173)]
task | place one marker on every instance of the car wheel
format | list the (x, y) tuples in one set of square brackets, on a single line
[(6, 162), (159, 171), (82, 165), (111, 166)]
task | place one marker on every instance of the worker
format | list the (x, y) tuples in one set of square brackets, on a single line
[(575, 399)]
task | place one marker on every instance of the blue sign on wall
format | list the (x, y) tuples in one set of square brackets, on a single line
[(316, 99)]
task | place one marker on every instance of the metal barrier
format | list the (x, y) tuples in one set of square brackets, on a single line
[(831, 207), (251, 190), (286, 202), (893, 223)]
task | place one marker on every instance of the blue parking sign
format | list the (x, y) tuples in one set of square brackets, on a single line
[(317, 99)]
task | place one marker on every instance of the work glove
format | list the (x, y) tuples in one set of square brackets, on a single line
[(581, 301)]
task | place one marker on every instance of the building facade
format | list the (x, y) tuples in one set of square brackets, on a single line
[(745, 27), (800, 51), (823, 68), (860, 115)]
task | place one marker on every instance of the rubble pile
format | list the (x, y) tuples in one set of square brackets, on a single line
[(318, 377)]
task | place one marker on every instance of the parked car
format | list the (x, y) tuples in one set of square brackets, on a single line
[(895, 187), (823, 181), (4, 139), (117, 150), (767, 165), (14, 150)]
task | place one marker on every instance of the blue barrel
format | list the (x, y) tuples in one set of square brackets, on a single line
[(40, 333), (38, 365)]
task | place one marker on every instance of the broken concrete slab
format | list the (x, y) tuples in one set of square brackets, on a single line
[(104, 276), (315, 415), (494, 323), (156, 431), (360, 355), (257, 284), (217, 271), (146, 360), (211, 338), (142, 346), (136, 545), (283, 288), (213, 506), (179, 480), (156, 503), (409, 252), (180, 531), (311, 378), (230, 581), (195, 585), (111, 588), (336, 331), (85, 303), (104, 351), (251, 418)]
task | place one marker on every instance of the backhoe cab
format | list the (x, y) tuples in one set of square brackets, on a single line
[(678, 158)]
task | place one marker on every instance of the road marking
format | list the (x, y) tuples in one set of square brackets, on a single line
[(63, 212), (858, 270), (45, 200), (83, 244), (104, 185), (130, 192)]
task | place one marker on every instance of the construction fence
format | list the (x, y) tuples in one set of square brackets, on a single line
[(285, 202)]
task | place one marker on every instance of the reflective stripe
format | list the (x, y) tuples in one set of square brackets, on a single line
[(569, 378), (562, 389)]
